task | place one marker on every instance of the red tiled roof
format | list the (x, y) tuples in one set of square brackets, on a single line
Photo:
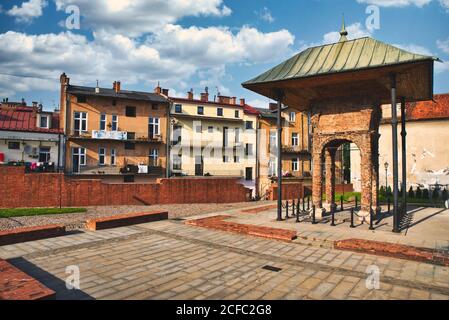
[(426, 110), (250, 110), (25, 119)]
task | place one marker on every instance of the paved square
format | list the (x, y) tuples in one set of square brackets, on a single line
[(171, 260)]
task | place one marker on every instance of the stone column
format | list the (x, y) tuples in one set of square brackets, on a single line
[(317, 181), (375, 174), (367, 181), (330, 177)]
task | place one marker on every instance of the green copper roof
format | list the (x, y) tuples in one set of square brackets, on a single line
[(343, 56)]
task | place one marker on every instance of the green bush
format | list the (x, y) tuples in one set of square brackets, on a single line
[(389, 192), (418, 193), (425, 194), (411, 193), (444, 194), (435, 194), (382, 191)]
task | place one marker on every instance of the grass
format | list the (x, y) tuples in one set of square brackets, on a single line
[(350, 197), (22, 212)]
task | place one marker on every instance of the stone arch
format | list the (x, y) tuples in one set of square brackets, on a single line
[(324, 148)]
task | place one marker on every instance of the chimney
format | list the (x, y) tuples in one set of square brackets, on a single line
[(158, 89), (273, 106), (233, 100), (97, 88), (165, 92), (118, 87), (205, 95), (190, 94), (64, 79), (34, 104), (23, 102), (242, 102), (114, 86), (224, 99)]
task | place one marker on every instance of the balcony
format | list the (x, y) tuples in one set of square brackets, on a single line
[(295, 150), (117, 136)]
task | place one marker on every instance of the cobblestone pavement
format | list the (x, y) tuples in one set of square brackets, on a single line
[(174, 211), (171, 260)]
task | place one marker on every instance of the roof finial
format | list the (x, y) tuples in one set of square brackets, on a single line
[(343, 31)]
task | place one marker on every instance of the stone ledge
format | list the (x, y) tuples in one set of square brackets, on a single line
[(17, 285), (125, 220), (393, 250), (218, 223), (260, 209), (31, 233)]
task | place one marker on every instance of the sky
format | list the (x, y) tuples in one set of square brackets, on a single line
[(193, 44)]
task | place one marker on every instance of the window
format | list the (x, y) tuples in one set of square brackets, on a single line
[(154, 106), (219, 112), (101, 156), (248, 125), (114, 102), (154, 154), (153, 127), (273, 141), (113, 157), (225, 159), (248, 149), (78, 159), (249, 174), (80, 122), (131, 135), (237, 135), (13, 145), (198, 129), (295, 165), (43, 121), (81, 99), (114, 124), (295, 139), (237, 114), (44, 154), (200, 110), (225, 137), (130, 111), (210, 129), (102, 122), (236, 159), (130, 145), (272, 167), (178, 108), (177, 135), (292, 117), (177, 162)]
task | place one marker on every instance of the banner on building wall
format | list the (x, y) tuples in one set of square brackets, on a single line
[(112, 135)]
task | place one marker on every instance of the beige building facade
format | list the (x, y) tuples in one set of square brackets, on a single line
[(427, 129), (213, 138)]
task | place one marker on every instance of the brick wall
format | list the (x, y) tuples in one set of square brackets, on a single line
[(18, 189), (290, 191)]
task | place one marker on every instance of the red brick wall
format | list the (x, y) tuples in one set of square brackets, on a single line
[(290, 191), (18, 189)]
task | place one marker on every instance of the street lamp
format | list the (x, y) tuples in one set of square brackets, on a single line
[(386, 165)]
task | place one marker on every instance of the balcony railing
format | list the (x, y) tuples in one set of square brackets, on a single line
[(294, 149), (118, 136), (109, 135)]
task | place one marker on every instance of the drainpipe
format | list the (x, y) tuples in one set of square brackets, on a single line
[(168, 139)]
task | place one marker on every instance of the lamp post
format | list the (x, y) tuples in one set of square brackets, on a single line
[(386, 165)]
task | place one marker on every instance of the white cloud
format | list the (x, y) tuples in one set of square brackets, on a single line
[(259, 103), (443, 45), (265, 15), (445, 4), (137, 17), (171, 56), (397, 3), (27, 10)]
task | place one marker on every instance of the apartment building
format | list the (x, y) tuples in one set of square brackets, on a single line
[(30, 136), (296, 156), (114, 134), (213, 138)]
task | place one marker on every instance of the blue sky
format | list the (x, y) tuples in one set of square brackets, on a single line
[(193, 43)]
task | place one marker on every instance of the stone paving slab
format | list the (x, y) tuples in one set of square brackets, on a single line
[(171, 260)]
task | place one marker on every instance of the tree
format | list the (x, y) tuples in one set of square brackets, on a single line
[(444, 194), (425, 194), (418, 193), (435, 194)]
